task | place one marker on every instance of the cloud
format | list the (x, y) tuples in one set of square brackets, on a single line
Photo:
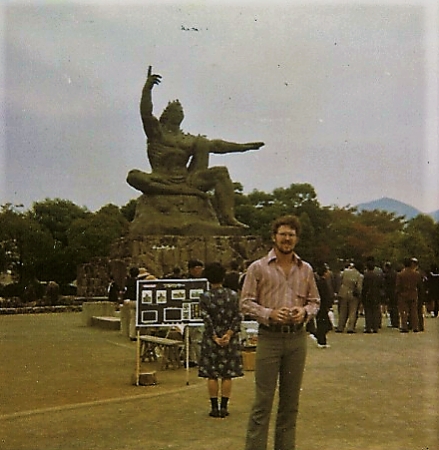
[(337, 93)]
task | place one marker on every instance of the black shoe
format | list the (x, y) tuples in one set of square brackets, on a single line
[(350, 331), (367, 331), (223, 413), (214, 413), (338, 331), (404, 331)]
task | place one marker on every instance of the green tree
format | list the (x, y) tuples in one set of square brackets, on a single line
[(420, 240), (342, 223), (57, 215), (93, 236), (356, 235), (129, 210), (25, 243), (259, 209)]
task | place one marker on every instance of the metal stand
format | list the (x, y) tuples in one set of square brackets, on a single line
[(187, 343), (137, 374)]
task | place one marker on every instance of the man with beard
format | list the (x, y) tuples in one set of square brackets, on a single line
[(279, 292)]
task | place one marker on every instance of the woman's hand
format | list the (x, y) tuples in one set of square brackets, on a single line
[(224, 340)]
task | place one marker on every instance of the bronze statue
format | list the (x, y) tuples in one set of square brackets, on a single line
[(180, 161)]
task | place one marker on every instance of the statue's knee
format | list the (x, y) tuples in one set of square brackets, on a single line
[(132, 176), (133, 173), (221, 172), (135, 177)]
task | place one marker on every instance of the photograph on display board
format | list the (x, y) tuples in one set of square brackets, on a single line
[(149, 316), (186, 311), (161, 296), (195, 293), (163, 302), (178, 294), (172, 314), (146, 296)]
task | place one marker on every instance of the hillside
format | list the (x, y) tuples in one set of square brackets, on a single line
[(395, 206)]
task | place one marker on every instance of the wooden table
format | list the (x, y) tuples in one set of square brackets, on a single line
[(170, 350)]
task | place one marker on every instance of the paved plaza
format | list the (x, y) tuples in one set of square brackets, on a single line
[(66, 386)]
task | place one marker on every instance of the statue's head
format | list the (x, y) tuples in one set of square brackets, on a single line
[(172, 114)]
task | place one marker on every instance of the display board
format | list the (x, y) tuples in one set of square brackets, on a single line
[(167, 302)]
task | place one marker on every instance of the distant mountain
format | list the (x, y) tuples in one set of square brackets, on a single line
[(394, 206)]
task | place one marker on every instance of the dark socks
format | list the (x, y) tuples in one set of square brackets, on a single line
[(214, 407), (220, 411), (223, 410), (214, 402)]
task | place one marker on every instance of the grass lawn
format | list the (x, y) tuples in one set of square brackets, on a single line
[(65, 386)]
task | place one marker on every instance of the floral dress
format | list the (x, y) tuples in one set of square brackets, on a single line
[(219, 310)]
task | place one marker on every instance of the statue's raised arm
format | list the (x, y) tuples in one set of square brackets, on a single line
[(151, 124)]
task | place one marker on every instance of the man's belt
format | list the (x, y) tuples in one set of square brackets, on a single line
[(278, 328)]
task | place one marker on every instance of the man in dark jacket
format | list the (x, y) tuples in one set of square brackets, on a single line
[(371, 295), (408, 291), (390, 294)]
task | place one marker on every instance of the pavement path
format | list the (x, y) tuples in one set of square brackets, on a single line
[(66, 387)]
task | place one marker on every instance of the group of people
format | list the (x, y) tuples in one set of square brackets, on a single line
[(286, 296), (405, 296), (116, 292), (289, 299)]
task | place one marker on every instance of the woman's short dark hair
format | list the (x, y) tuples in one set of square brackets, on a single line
[(290, 221), (214, 272), (194, 263)]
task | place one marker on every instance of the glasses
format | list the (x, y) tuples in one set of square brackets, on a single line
[(289, 235)]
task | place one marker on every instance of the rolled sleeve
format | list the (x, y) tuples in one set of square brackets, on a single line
[(312, 301)]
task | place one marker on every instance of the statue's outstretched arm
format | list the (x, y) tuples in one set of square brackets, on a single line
[(204, 147), (219, 146), (150, 123)]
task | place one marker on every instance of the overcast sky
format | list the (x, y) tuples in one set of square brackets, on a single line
[(344, 95)]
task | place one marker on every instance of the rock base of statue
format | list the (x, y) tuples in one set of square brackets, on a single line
[(160, 254), (167, 232), (178, 215)]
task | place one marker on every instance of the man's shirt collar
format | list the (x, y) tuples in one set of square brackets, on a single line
[(272, 257)]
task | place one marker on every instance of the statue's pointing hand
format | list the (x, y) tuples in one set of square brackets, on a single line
[(255, 145), (153, 79)]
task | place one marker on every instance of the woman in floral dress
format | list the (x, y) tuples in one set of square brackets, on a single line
[(220, 347)]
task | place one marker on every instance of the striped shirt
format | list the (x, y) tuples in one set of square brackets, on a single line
[(267, 287)]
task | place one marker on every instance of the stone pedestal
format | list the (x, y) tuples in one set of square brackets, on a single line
[(160, 254), (182, 215)]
